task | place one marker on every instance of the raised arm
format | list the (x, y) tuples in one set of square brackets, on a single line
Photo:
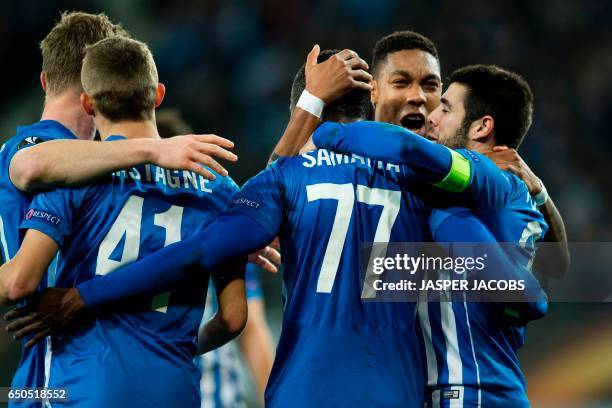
[(325, 81), (75, 162)]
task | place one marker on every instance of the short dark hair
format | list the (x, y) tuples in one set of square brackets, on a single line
[(399, 41), (353, 105), (504, 95), (121, 77)]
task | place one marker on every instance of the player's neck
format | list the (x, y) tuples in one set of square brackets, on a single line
[(482, 148), (66, 109), (129, 129)]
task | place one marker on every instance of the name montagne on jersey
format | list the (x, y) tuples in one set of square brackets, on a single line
[(171, 178), (323, 157)]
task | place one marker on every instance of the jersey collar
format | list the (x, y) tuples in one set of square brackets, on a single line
[(50, 124)]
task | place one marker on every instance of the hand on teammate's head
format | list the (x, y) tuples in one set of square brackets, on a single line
[(337, 75)]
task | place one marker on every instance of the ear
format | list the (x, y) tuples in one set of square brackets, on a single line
[(374, 92), (483, 130), (43, 81), (160, 93), (87, 104)]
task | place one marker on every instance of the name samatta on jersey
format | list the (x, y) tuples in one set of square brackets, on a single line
[(324, 157)]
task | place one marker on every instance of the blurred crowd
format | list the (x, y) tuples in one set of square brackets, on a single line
[(228, 67)]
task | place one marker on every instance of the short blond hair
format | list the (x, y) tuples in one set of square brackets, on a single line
[(63, 48), (120, 75)]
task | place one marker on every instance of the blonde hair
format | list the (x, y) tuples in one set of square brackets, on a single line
[(64, 47), (119, 74)]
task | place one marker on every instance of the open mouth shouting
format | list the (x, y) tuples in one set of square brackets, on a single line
[(414, 122)]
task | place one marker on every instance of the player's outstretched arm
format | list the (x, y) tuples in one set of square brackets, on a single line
[(76, 162), (58, 309), (553, 260), (325, 81), (20, 277), (464, 227), (231, 316), (300, 127), (222, 240), (388, 143), (249, 225), (465, 178)]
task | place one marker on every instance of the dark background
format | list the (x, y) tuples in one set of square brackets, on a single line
[(228, 67)]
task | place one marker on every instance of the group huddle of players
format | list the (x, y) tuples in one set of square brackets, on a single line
[(113, 243)]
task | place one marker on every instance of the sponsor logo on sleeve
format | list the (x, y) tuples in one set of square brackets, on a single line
[(246, 202), (29, 141), (44, 216)]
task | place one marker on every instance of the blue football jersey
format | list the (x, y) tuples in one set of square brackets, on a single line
[(141, 353), (471, 351), (336, 349), (222, 380), (13, 205)]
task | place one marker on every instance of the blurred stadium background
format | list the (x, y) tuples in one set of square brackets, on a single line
[(228, 67)]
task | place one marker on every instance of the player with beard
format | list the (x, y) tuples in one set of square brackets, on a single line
[(406, 87), (334, 347), (471, 354), (367, 141), (334, 350)]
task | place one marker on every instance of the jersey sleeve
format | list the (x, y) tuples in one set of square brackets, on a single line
[(261, 199), (489, 189), (461, 226), (249, 224), (24, 141), (226, 192), (438, 216), (461, 177), (394, 144), (228, 237), (53, 213)]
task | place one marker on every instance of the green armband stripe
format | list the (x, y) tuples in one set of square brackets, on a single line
[(458, 177)]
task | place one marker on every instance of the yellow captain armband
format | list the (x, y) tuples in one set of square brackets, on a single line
[(458, 177)]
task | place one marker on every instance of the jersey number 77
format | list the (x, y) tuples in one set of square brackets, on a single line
[(345, 194)]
